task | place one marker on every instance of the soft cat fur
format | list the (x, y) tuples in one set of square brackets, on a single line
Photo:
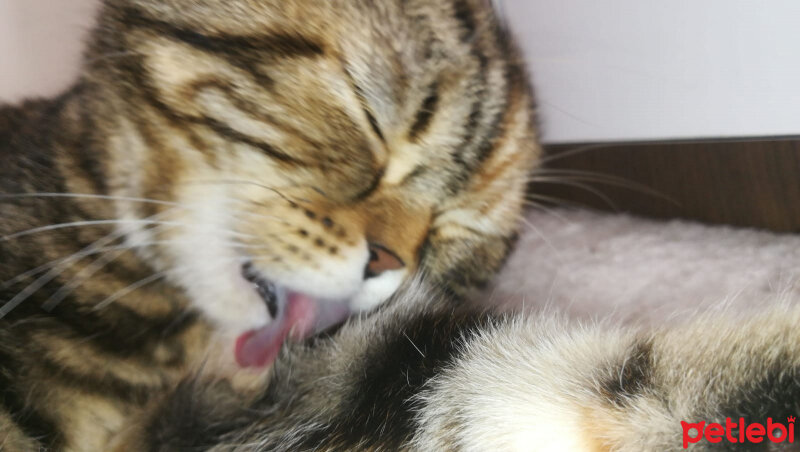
[(420, 376), (230, 173)]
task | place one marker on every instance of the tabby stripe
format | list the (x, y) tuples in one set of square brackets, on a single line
[(464, 15), (373, 123), (425, 114), (278, 43), (458, 179), (476, 112), (486, 144), (362, 99), (108, 386), (373, 185), (488, 138), (150, 95), (34, 423), (254, 111), (237, 136), (418, 171), (88, 156), (133, 333)]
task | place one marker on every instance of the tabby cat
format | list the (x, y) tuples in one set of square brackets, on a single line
[(231, 174), (420, 376)]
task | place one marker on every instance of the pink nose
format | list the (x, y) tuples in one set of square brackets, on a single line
[(381, 260)]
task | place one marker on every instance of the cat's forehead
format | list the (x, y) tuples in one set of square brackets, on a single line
[(391, 41), (254, 16)]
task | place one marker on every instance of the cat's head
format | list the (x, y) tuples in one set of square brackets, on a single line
[(321, 152)]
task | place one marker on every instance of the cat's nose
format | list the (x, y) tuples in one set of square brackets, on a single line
[(381, 259)]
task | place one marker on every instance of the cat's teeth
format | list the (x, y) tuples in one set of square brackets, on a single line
[(265, 289)]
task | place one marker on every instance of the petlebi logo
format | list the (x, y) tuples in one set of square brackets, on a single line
[(738, 432)]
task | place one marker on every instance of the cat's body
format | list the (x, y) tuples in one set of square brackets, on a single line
[(240, 173), (419, 377), (229, 175), (70, 375)]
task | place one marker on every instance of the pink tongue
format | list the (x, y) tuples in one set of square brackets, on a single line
[(302, 317)]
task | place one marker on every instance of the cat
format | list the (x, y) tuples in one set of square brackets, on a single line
[(230, 175), (419, 375)]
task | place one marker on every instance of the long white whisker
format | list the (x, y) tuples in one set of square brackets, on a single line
[(574, 151), (260, 216), (89, 196), (32, 272), (591, 190), (253, 183), (92, 269), (149, 280), (83, 275), (77, 224), (544, 238), (131, 288), (51, 274), (588, 176)]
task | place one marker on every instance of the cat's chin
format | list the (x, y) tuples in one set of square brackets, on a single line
[(295, 317)]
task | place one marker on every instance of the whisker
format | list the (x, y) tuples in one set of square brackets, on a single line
[(541, 235), (248, 182), (569, 152), (553, 212), (590, 176), (532, 198), (149, 280), (130, 288), (41, 268), (587, 188), (77, 224), (261, 216), (82, 276), (556, 215), (87, 272), (51, 274), (12, 196), (34, 271)]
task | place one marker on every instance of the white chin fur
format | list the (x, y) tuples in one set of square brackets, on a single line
[(334, 279), (209, 269), (375, 291)]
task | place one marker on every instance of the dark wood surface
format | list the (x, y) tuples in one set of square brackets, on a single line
[(745, 183)]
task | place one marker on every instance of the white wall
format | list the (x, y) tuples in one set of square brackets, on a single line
[(603, 69), (650, 69), (40, 45)]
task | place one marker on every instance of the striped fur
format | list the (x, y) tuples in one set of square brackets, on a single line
[(204, 133), (417, 377)]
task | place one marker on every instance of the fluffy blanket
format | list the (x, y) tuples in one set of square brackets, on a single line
[(594, 265)]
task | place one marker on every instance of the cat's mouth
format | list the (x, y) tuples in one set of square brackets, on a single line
[(295, 316)]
